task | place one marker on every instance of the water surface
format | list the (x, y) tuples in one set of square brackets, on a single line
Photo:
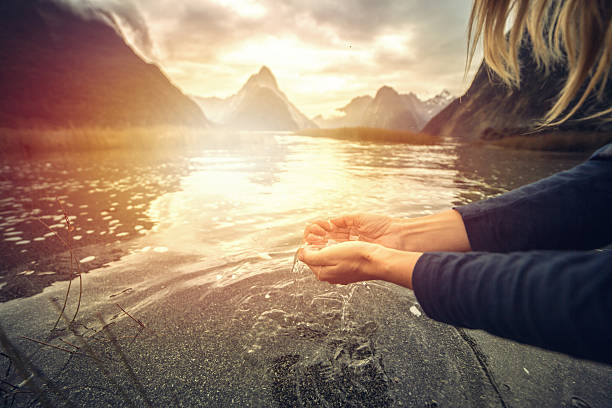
[(204, 242)]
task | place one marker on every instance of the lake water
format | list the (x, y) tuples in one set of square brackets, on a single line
[(198, 246)]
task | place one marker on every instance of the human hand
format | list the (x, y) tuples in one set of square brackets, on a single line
[(355, 261), (378, 229), (444, 231), (342, 263)]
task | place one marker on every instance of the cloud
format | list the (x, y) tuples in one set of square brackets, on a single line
[(131, 22), (210, 46), (123, 16)]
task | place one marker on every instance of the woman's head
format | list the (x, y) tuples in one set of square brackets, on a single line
[(576, 32)]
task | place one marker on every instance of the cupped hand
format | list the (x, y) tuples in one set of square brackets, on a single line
[(342, 263), (378, 229)]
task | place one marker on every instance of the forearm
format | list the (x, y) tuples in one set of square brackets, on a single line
[(569, 210), (556, 300), (444, 231)]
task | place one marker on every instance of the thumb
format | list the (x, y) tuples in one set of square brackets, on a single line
[(313, 256)]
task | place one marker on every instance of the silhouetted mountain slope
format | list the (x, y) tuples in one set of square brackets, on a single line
[(59, 67), (389, 110), (355, 110), (491, 110), (258, 105)]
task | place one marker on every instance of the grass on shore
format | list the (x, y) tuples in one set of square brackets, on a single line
[(41, 140), (561, 141), (366, 134)]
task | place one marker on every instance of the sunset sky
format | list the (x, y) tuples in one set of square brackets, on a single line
[(323, 52)]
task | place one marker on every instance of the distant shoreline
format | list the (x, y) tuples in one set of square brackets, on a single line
[(28, 141), (366, 134), (557, 141)]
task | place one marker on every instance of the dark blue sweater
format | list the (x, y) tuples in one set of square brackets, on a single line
[(537, 276)]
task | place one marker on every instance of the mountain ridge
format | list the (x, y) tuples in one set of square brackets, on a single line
[(61, 68), (258, 105), (490, 110), (387, 109)]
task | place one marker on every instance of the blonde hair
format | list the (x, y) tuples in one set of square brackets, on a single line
[(577, 33)]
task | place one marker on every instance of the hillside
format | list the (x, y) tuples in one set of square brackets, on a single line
[(387, 109), (490, 110), (61, 68)]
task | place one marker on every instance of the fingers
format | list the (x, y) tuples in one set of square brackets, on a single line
[(346, 221), (312, 239), (324, 224), (314, 229), (314, 257), (330, 274), (320, 231)]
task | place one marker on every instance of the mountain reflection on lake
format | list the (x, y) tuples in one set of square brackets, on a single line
[(198, 246)]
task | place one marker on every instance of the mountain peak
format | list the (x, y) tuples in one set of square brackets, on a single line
[(264, 70), (386, 91), (264, 77)]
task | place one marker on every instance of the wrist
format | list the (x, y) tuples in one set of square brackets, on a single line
[(392, 265), (444, 231)]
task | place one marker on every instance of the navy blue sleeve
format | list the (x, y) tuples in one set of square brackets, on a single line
[(569, 210), (556, 300)]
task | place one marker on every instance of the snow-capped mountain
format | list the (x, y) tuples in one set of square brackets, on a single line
[(437, 103), (388, 109)]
